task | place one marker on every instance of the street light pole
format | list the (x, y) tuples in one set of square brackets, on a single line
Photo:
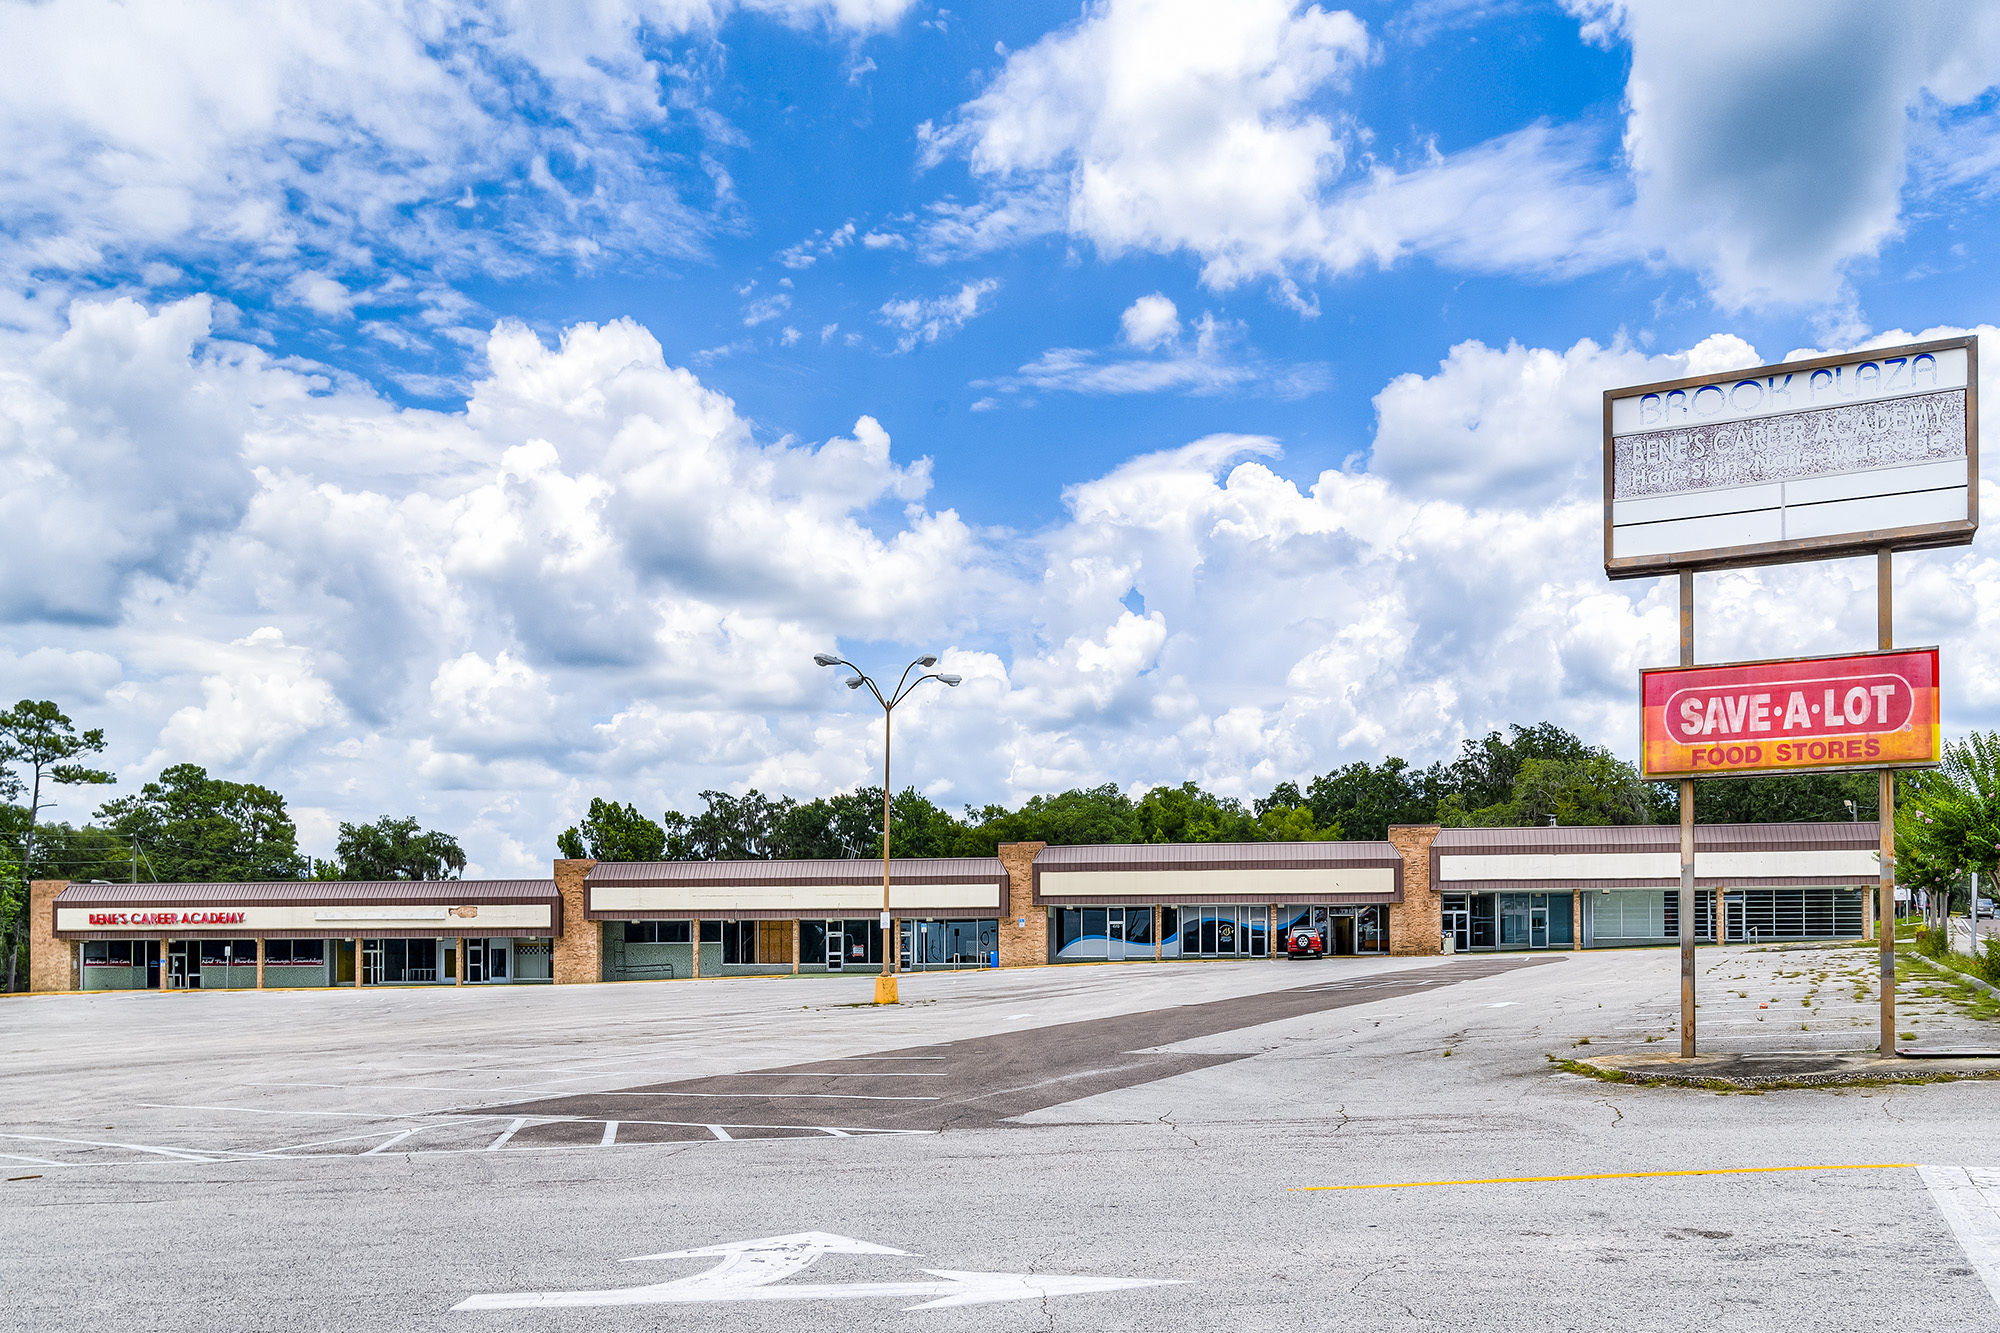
[(885, 984)]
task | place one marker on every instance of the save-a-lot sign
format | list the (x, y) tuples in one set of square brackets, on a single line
[(1869, 710)]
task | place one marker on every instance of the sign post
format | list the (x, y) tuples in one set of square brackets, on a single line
[(1856, 454)]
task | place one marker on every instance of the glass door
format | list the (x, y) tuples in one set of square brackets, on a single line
[(1538, 927), (1114, 935), (1458, 925), (475, 960), (371, 962), (177, 966), (1732, 914), (836, 947)]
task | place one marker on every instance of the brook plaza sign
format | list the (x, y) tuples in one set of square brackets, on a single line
[(1836, 456), (1865, 453)]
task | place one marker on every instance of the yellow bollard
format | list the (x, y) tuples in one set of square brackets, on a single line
[(885, 990)]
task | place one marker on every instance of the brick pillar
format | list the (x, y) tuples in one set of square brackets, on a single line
[(1576, 920), (1024, 928), (1417, 922), (260, 962), (52, 963), (694, 934), (458, 961), (1721, 921), (795, 946), (579, 950)]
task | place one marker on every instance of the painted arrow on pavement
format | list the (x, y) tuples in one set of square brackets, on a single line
[(751, 1270)]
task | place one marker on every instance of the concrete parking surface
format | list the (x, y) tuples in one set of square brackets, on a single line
[(1135, 1146)]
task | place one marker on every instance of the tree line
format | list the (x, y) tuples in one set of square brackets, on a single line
[(1533, 775)]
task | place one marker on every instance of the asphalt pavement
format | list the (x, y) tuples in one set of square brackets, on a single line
[(1354, 1144)]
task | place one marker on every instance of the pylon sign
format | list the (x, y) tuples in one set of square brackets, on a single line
[(1864, 710)]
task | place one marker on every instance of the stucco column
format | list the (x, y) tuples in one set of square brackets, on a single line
[(52, 963), (1721, 921), (694, 933), (1416, 924), (360, 969), (1024, 927), (579, 949), (795, 946), (458, 961), (260, 962), (1576, 920)]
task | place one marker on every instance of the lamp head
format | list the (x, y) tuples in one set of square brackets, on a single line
[(951, 680), (825, 659), (854, 682), (927, 661)]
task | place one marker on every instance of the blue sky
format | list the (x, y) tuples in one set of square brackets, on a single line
[(467, 410)]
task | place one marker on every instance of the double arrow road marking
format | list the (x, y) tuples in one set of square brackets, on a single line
[(752, 1270)]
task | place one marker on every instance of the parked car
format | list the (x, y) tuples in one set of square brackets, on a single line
[(1304, 942)]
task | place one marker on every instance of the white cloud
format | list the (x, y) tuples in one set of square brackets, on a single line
[(1773, 161), (1150, 321), (1212, 362), (927, 320), (351, 137), (765, 309), (596, 579)]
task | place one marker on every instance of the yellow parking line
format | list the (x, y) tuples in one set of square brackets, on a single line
[(1616, 1175)]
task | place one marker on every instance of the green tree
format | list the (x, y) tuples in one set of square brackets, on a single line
[(1078, 817), (1363, 800), (38, 746), (613, 832), (193, 828), (1948, 820), (1188, 814), (392, 849), (1287, 816)]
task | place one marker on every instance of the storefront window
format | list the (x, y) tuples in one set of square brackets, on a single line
[(656, 932)]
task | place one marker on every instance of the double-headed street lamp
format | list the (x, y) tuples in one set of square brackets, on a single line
[(885, 985)]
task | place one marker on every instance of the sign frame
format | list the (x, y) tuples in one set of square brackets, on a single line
[(1955, 532), (1935, 723)]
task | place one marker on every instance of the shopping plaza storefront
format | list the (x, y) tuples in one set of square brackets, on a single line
[(1420, 891)]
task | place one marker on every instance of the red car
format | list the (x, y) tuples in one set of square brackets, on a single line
[(1304, 942)]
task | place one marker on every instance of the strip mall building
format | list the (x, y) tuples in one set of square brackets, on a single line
[(1420, 891)]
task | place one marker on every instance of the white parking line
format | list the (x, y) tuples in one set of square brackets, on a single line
[(610, 1134), (506, 1134), (777, 1096), (389, 1143), (180, 1153), (814, 1073), (720, 1133), (1970, 1202)]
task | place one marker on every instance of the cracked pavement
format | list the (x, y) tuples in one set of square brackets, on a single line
[(328, 1159)]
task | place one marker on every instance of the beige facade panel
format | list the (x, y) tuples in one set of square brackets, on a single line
[(1594, 868), (304, 919), (1273, 885), (808, 900)]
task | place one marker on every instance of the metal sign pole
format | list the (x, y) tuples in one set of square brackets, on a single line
[(1885, 904), (1687, 841)]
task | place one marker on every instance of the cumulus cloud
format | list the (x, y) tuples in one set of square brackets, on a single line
[(1150, 321), (346, 138), (1774, 160), (1169, 125), (598, 579)]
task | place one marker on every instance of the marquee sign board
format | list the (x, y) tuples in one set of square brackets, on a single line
[(1809, 714), (1842, 455)]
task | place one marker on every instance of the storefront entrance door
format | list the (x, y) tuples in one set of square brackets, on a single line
[(1343, 934), (177, 967), (836, 948), (1732, 914), (1538, 928), (1458, 925), (1114, 935), (475, 960)]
